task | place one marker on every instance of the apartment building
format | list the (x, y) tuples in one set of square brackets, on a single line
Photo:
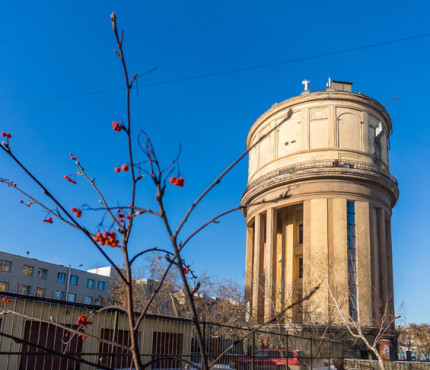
[(31, 277)]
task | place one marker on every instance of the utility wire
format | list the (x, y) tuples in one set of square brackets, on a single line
[(294, 60), (411, 169), (230, 71), (411, 140)]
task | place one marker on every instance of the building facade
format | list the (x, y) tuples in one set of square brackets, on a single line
[(28, 276), (333, 227)]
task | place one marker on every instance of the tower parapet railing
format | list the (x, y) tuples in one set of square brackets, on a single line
[(333, 167)]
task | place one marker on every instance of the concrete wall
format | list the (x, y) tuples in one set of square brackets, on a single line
[(15, 279)]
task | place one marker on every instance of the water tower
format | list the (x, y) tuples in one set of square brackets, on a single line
[(335, 226)]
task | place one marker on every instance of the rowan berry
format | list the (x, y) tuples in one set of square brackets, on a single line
[(124, 167), (116, 126), (78, 213), (177, 181), (4, 299), (117, 169), (7, 300), (74, 209), (107, 238)]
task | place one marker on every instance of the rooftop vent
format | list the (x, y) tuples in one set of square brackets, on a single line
[(340, 86)]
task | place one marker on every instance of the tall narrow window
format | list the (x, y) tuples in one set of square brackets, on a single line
[(61, 277), (301, 234), (352, 260), (73, 279), (300, 267)]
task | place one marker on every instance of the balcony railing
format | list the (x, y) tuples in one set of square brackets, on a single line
[(348, 165)]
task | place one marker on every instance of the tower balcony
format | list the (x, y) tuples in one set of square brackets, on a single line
[(374, 174)]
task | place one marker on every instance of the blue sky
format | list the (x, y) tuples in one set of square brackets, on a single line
[(56, 54)]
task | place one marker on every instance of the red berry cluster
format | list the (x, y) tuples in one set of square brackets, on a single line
[(11, 183), (5, 134), (116, 126), (78, 212), (48, 220), (186, 269), (69, 179), (6, 300), (82, 320), (107, 238), (72, 157), (177, 181), (124, 167)]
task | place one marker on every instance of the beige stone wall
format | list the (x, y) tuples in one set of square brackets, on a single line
[(336, 131), (324, 125)]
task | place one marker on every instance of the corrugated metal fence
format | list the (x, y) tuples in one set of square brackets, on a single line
[(164, 341)]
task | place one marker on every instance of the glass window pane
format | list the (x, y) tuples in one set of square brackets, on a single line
[(73, 280), (27, 270), (61, 277)]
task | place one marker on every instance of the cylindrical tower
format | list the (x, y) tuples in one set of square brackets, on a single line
[(334, 227)]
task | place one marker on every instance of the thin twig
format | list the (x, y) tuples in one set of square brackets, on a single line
[(219, 178), (35, 201), (59, 205), (103, 200)]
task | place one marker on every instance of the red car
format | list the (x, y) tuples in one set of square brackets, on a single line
[(270, 359)]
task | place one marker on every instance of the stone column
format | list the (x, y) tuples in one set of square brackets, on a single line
[(280, 265), (338, 269), (269, 265), (382, 260), (289, 258), (257, 290), (319, 250), (389, 263), (307, 260), (249, 262), (374, 240), (364, 276)]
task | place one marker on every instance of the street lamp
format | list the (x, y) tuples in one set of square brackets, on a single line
[(68, 280)]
